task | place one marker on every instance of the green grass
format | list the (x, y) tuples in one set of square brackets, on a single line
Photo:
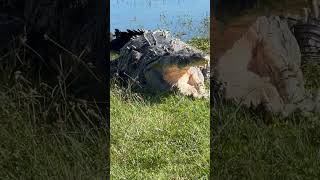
[(201, 43), (44, 132), (311, 75), (159, 137), (32, 148), (245, 147)]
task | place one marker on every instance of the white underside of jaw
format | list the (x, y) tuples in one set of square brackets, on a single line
[(196, 89)]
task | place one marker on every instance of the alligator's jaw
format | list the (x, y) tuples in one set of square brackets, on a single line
[(173, 73), (189, 80), (180, 61)]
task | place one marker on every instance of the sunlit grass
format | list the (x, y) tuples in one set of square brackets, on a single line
[(159, 137)]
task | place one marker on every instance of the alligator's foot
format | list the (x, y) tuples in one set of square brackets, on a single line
[(188, 90)]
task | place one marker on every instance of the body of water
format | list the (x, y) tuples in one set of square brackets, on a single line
[(184, 18)]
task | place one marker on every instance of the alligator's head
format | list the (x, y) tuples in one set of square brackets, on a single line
[(184, 72), (181, 61)]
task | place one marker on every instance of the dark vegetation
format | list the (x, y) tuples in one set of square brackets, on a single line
[(72, 32), (53, 89)]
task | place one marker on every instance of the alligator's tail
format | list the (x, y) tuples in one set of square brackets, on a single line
[(121, 38)]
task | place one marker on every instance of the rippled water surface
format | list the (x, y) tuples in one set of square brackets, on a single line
[(185, 18)]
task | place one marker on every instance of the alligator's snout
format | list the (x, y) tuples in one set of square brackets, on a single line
[(195, 60)]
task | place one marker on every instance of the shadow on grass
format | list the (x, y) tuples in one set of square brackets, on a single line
[(139, 93)]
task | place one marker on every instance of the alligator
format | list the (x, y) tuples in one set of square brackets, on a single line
[(159, 62), (263, 70)]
